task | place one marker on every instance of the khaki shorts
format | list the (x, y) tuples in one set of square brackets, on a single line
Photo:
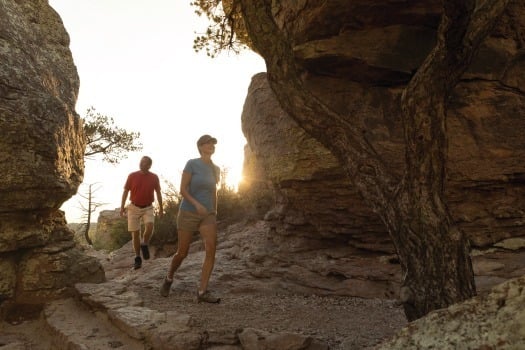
[(135, 214), (190, 221)]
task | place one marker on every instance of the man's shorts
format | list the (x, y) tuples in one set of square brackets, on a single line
[(135, 214), (190, 221)]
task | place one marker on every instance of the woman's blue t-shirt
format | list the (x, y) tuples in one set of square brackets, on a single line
[(202, 184)]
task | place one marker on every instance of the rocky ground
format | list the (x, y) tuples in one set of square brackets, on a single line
[(341, 322), (264, 286), (249, 300)]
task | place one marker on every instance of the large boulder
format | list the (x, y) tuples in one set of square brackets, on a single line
[(41, 149), (357, 58), (42, 142), (492, 321)]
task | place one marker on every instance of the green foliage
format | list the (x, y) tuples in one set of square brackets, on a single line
[(103, 137), (165, 230), (226, 29), (79, 229), (118, 236), (257, 200), (230, 208), (113, 143)]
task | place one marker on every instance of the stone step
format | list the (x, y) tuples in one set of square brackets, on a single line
[(75, 327), (124, 309)]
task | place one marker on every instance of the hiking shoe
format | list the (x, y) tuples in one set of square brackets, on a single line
[(145, 251), (138, 263), (208, 297), (165, 288)]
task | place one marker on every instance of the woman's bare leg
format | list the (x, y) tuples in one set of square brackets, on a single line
[(208, 233), (184, 240)]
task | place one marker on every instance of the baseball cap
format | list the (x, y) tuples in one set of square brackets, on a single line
[(205, 139)]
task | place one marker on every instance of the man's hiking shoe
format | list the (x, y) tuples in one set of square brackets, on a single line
[(165, 288), (138, 263), (145, 251), (207, 297)]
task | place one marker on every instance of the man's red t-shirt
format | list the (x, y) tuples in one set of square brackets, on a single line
[(142, 186)]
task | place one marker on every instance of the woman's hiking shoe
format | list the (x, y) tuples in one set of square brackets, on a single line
[(138, 263), (145, 251), (165, 288), (208, 297)]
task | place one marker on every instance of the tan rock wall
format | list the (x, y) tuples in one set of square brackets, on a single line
[(492, 321), (41, 152), (359, 67), (41, 148)]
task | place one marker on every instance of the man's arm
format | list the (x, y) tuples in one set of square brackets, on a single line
[(123, 202), (159, 200)]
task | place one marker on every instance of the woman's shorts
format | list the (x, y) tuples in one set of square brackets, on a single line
[(190, 221), (135, 214)]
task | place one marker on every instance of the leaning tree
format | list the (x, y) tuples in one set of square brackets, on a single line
[(103, 138), (434, 253)]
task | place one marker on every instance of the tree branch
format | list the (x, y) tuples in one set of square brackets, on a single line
[(346, 142), (461, 31)]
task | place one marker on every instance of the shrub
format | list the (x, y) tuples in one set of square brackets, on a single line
[(165, 230), (230, 208), (118, 236)]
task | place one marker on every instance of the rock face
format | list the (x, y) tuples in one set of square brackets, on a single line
[(493, 321), (41, 150), (357, 58), (108, 224), (42, 145)]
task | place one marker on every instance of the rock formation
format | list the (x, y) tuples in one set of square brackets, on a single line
[(111, 231), (314, 238), (41, 150), (261, 309), (357, 58), (493, 321)]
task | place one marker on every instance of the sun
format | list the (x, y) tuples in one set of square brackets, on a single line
[(233, 177)]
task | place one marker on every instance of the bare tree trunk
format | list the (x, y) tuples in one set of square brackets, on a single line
[(88, 210), (87, 225), (434, 253), (434, 256)]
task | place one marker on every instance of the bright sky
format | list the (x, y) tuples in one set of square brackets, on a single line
[(137, 65)]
